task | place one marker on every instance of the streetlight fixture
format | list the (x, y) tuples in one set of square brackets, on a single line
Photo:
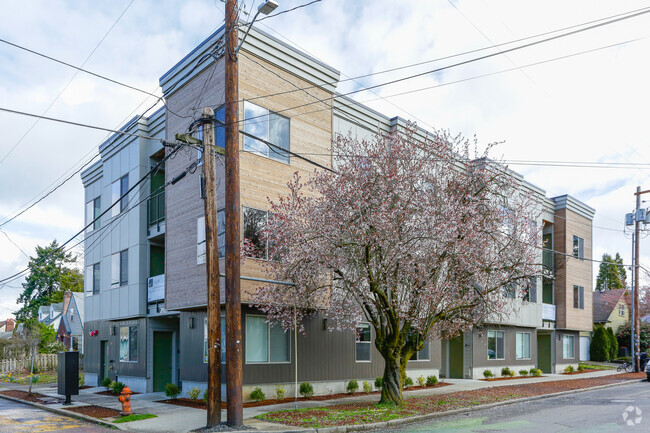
[(265, 8)]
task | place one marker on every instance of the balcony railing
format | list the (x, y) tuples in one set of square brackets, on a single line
[(156, 210), (548, 312)]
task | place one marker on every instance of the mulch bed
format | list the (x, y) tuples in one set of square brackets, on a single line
[(510, 378), (86, 387), (200, 404), (24, 395), (369, 412), (95, 411), (110, 393)]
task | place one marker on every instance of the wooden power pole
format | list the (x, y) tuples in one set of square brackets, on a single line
[(212, 269), (234, 357)]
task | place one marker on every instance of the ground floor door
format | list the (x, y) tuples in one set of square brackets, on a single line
[(162, 360), (544, 360), (584, 348), (455, 352), (103, 359)]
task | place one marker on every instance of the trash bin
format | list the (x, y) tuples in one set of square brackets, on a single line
[(68, 375)]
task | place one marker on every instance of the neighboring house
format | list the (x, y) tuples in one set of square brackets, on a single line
[(145, 273), (612, 308), (50, 314), (71, 330), (7, 325)]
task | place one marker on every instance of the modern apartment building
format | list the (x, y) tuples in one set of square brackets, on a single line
[(145, 274)]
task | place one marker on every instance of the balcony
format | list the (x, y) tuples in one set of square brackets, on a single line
[(548, 312), (156, 288), (156, 214)]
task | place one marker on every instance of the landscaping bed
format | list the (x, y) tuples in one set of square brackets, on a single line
[(370, 412), (510, 378), (200, 404), (95, 411), (580, 372), (111, 394), (24, 395)]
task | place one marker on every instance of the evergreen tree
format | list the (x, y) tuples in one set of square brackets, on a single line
[(600, 345), (613, 343), (50, 274), (610, 274)]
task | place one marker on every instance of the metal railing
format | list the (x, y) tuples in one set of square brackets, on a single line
[(156, 210)]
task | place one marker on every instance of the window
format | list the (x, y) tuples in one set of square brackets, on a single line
[(363, 338), (223, 339), (523, 345), (93, 210), (265, 343), (71, 314), (200, 236), (268, 126), (422, 354), (510, 290), (128, 343), (220, 132), (579, 297), (119, 189), (567, 346), (621, 310), (254, 225), (496, 344), (120, 269), (92, 279), (530, 292), (578, 247)]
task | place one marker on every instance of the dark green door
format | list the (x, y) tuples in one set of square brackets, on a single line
[(544, 352), (456, 358), (162, 360), (104, 355)]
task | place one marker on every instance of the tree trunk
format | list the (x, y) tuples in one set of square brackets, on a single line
[(391, 390)]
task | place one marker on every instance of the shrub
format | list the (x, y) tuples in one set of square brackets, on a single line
[(379, 382), (258, 394), (432, 380), (421, 380), (569, 369), (35, 369), (172, 390), (488, 374), (280, 392), (506, 372), (366, 387), (205, 396), (117, 387), (194, 393), (613, 343), (106, 383), (523, 373), (306, 390), (82, 379), (535, 372), (581, 367), (353, 386), (408, 382), (600, 345), (34, 378)]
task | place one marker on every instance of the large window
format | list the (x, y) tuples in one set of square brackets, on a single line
[(579, 297), (223, 339), (523, 345), (220, 132), (578, 247), (496, 345), (200, 236), (119, 189), (92, 278), (93, 210), (254, 225), (567, 347), (128, 343), (265, 343), (621, 310), (268, 126), (422, 354), (362, 343), (530, 291), (120, 269)]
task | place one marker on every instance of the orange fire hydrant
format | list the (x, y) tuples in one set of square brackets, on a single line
[(125, 398)]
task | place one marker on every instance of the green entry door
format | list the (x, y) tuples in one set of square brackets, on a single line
[(162, 360), (456, 358), (104, 355), (544, 352)]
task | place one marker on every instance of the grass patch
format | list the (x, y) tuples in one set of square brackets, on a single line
[(135, 417), (598, 367)]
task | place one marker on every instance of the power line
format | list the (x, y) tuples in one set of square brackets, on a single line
[(288, 10), (68, 83)]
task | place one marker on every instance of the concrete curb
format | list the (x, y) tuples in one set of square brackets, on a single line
[(66, 413), (426, 417)]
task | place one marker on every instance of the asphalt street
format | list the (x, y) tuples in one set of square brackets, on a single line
[(18, 417), (618, 409)]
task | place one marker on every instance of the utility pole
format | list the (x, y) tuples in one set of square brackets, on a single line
[(234, 401), (637, 238), (212, 269)]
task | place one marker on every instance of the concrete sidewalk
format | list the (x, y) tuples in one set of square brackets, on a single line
[(172, 418)]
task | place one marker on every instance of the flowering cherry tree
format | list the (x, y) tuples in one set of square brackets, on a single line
[(417, 236)]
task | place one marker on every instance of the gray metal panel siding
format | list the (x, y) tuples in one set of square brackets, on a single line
[(322, 355), (479, 341)]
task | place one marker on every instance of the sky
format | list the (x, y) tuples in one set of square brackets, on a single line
[(589, 107)]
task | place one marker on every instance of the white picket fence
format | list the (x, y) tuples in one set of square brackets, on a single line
[(44, 361)]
